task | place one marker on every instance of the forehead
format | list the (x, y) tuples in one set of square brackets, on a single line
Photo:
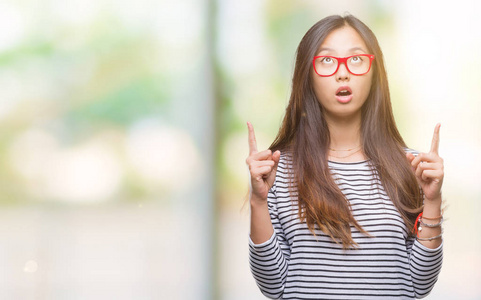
[(343, 41)]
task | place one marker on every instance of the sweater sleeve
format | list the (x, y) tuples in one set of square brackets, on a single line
[(269, 260), (424, 263), (425, 266)]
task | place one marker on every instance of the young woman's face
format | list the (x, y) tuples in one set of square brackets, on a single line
[(342, 94)]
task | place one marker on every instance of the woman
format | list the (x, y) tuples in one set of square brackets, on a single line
[(335, 197)]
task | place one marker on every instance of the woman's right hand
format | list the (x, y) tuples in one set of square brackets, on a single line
[(262, 167)]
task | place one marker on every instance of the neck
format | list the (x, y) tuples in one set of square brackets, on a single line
[(345, 133)]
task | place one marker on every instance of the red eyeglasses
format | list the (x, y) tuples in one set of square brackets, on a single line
[(326, 66)]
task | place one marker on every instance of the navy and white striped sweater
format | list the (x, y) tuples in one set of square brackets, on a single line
[(293, 264)]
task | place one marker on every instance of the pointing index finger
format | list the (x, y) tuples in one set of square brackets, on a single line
[(435, 142), (252, 139)]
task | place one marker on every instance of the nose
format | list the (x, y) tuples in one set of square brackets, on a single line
[(342, 73)]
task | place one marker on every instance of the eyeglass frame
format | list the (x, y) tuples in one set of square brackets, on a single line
[(343, 60)]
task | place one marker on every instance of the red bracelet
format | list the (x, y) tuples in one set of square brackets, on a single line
[(415, 229)]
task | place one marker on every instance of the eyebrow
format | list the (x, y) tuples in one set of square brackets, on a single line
[(352, 49)]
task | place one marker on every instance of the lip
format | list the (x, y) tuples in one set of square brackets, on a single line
[(344, 99)]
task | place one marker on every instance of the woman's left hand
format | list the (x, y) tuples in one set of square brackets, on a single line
[(429, 169)]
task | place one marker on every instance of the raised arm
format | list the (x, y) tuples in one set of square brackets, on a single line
[(268, 250), (426, 252), (262, 170)]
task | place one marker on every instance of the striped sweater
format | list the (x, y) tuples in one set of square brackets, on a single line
[(293, 264)]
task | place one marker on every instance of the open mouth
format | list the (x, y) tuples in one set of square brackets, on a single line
[(344, 93)]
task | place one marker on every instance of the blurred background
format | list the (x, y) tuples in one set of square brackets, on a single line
[(123, 136)]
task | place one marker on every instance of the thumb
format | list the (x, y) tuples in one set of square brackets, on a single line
[(410, 157), (272, 176), (276, 156)]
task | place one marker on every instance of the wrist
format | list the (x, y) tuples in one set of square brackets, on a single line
[(257, 201), (434, 200), (432, 208)]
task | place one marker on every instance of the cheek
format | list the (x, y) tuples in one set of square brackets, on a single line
[(365, 87), (321, 89)]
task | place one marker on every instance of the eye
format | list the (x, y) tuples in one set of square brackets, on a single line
[(327, 60), (356, 59)]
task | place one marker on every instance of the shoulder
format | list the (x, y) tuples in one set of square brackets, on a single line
[(284, 172), (285, 160)]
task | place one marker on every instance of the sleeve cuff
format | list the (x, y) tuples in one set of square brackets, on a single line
[(426, 249), (264, 245)]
